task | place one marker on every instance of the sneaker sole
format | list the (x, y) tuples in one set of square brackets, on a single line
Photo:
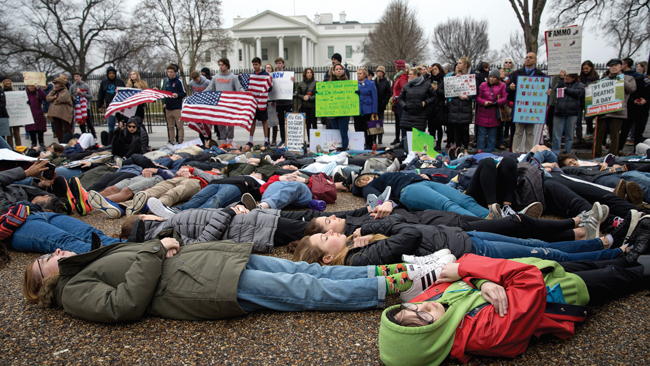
[(139, 201), (98, 202), (620, 188), (634, 221), (159, 209), (77, 192), (248, 201), (634, 193), (534, 210)]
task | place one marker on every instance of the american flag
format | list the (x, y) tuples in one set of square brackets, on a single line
[(220, 108), (127, 98), (258, 85)]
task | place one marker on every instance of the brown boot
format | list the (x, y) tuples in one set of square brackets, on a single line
[(634, 193), (620, 188)]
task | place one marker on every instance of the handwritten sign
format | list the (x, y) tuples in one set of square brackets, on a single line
[(564, 50), (295, 131), (530, 99), (331, 139), (423, 142), (282, 86), (337, 98), (605, 96), (19, 112), (460, 85), (32, 78)]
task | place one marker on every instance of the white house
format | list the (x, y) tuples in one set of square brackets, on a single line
[(298, 39)]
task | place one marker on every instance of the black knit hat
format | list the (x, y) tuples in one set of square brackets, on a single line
[(338, 57)]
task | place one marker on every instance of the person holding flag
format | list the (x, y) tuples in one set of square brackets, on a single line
[(257, 84), (225, 81), (82, 96)]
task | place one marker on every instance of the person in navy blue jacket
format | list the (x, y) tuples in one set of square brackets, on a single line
[(367, 105), (173, 105)]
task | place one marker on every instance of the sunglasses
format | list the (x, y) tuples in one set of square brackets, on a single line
[(38, 261), (428, 318), (508, 62), (132, 126)]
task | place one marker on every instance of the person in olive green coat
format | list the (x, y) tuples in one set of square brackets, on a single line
[(200, 281)]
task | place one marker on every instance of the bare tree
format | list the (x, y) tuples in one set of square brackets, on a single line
[(65, 33), (529, 18), (570, 12), (188, 27), (461, 37), (515, 48), (397, 36)]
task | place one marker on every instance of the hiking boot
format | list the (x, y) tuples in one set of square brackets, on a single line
[(620, 189), (160, 209), (99, 202), (80, 196), (139, 204), (533, 210)]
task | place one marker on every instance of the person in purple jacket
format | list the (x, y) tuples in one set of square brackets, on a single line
[(36, 97), (491, 95)]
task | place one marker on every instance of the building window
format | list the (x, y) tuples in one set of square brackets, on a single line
[(348, 27), (207, 56), (224, 53), (348, 51), (265, 54), (240, 55), (330, 52), (330, 27), (286, 54)]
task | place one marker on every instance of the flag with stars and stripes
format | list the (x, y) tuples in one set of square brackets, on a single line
[(127, 98), (220, 108), (259, 85)]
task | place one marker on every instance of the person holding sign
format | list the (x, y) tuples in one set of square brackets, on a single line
[(415, 97), (307, 96), (36, 96), (460, 109), (337, 73), (4, 116), (614, 120), (60, 108), (7, 85), (570, 92), (367, 106), (282, 106), (491, 96), (523, 129)]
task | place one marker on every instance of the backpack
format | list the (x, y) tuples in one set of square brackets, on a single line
[(530, 186), (322, 188)]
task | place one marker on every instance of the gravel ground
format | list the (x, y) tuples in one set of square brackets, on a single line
[(616, 334)]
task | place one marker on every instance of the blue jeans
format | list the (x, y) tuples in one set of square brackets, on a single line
[(500, 246), (545, 156), (68, 173), (283, 285), (642, 178), (342, 123), (111, 122), (213, 196), (282, 194), (426, 195), (566, 125), (491, 133), (44, 232)]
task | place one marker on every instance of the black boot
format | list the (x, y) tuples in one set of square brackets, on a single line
[(640, 240), (137, 232)]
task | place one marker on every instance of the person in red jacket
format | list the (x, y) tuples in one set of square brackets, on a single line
[(400, 81)]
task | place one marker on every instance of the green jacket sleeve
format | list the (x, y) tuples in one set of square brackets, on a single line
[(88, 297)]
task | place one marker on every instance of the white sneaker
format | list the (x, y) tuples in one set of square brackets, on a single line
[(159, 208), (506, 210), (427, 258), (423, 277)]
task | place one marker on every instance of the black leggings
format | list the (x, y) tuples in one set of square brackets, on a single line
[(461, 135), (524, 227), (110, 180), (120, 148), (434, 126), (34, 135), (361, 124), (494, 183)]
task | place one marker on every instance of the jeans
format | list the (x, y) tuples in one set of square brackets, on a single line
[(280, 284), (68, 173), (111, 122), (342, 123), (44, 232), (491, 133), (213, 196), (282, 194), (566, 125), (500, 246), (427, 195), (642, 178)]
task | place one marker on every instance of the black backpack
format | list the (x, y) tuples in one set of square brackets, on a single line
[(530, 186)]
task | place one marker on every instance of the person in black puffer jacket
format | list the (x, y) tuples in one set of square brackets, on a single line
[(414, 98), (438, 117), (384, 92), (460, 109), (132, 138)]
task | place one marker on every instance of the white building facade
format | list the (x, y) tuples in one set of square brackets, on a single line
[(299, 40)]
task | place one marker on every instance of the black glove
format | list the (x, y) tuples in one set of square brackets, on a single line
[(357, 92)]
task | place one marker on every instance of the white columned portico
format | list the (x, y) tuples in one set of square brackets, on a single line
[(309, 57), (258, 47), (247, 62), (304, 51), (281, 46), (235, 65), (314, 57)]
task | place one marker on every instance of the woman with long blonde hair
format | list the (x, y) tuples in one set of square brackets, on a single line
[(136, 82)]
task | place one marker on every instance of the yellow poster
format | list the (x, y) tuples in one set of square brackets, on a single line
[(32, 77)]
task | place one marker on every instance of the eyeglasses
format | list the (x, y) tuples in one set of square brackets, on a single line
[(508, 62), (428, 318), (38, 261)]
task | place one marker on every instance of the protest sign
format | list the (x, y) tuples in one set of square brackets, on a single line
[(331, 139), (423, 142), (460, 85), (530, 99), (337, 98), (34, 78), (604, 96), (295, 131), (564, 50), (282, 86), (19, 112)]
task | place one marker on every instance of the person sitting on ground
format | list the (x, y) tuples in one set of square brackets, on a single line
[(131, 138)]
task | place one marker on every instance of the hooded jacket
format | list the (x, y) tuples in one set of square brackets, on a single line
[(108, 88), (571, 104), (398, 85), (36, 99), (127, 137), (487, 116), (367, 97), (461, 111), (62, 106), (201, 86), (10, 193), (470, 325), (411, 97)]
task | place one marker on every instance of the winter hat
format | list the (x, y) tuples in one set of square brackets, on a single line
[(205, 70), (337, 56), (496, 73), (3, 78), (59, 81), (400, 64), (381, 68), (614, 61)]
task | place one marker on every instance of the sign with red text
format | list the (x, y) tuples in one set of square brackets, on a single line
[(604, 96), (460, 85), (564, 50), (531, 100)]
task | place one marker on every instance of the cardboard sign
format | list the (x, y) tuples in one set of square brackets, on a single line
[(295, 131), (331, 139), (32, 78), (460, 85), (282, 86), (423, 142), (604, 96), (564, 50), (337, 98), (19, 112), (531, 100)]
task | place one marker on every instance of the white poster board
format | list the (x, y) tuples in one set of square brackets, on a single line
[(331, 139), (460, 85), (6, 154), (19, 112), (295, 131), (282, 86), (564, 50)]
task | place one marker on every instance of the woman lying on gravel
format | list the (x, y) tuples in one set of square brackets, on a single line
[(198, 281), (493, 307)]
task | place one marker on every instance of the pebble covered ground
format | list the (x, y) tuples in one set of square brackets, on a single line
[(615, 334)]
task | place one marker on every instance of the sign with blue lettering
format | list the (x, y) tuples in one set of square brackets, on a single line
[(282, 86), (530, 99)]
